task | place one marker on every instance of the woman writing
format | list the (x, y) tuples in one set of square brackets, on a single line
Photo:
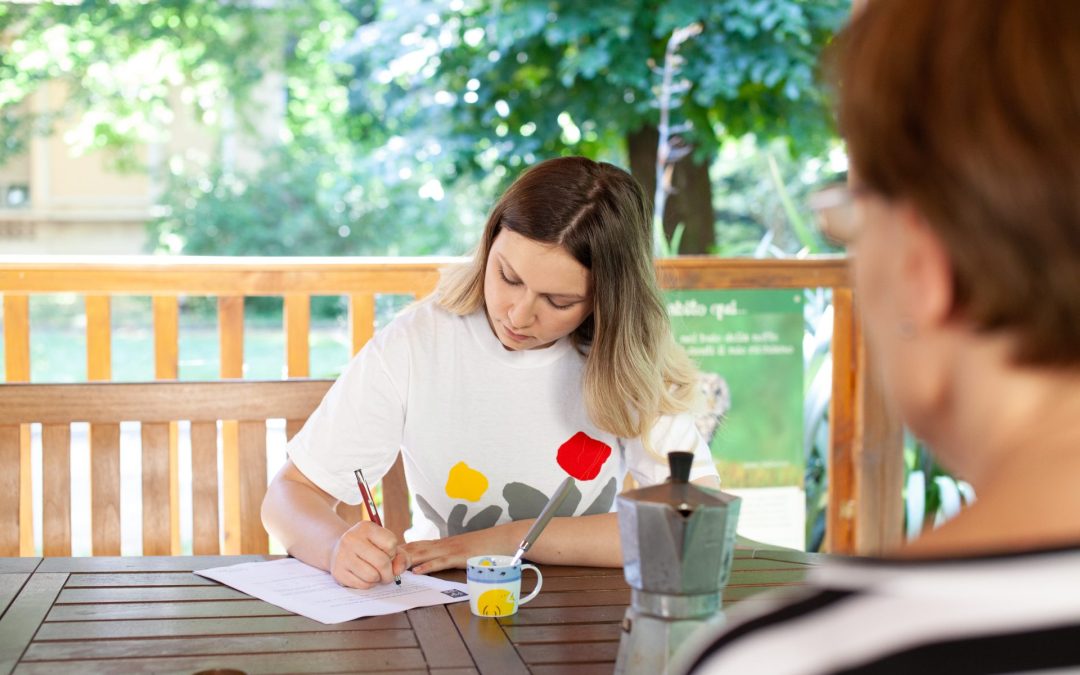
[(548, 355)]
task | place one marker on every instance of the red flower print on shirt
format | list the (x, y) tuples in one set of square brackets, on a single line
[(582, 456)]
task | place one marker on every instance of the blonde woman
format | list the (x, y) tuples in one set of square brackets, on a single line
[(548, 355)]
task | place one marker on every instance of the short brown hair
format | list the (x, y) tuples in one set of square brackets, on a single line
[(970, 110)]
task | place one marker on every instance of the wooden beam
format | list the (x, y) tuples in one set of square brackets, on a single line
[(333, 276), (114, 402)]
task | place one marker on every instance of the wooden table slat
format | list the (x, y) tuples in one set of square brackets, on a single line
[(10, 585), (490, 648), (114, 579), (571, 668), (754, 564), (148, 563), (149, 594), (740, 594), (227, 644), (569, 652), (786, 555), (555, 615), (439, 638), (574, 632), (611, 582), (582, 598), (92, 630), (165, 610), (18, 565), (365, 660), (24, 615)]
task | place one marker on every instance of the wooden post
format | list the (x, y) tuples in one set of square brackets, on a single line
[(361, 319), (166, 313), (866, 459), (840, 526), (297, 332), (878, 463), (17, 369), (104, 438), (231, 333)]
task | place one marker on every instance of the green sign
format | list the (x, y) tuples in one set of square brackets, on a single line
[(748, 343)]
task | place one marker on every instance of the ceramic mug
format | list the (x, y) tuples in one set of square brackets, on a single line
[(495, 585)]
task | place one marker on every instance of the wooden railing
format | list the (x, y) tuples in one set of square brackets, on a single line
[(865, 459)]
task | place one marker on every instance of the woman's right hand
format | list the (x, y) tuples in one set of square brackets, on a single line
[(367, 555)]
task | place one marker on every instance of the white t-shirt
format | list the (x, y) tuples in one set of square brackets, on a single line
[(486, 434)]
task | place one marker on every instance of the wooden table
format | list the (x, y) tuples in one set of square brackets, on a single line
[(151, 614)]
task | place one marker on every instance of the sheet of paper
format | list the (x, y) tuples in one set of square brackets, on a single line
[(773, 515), (311, 592)]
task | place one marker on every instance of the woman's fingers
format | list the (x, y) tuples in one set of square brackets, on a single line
[(435, 565), (401, 562), (433, 555), (365, 556), (360, 575)]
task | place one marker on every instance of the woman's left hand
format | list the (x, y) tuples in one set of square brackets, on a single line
[(433, 555)]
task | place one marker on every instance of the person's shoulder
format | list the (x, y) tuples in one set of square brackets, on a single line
[(423, 326), (423, 317)]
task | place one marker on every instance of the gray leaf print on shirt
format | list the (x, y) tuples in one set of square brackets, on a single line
[(603, 501), (434, 516), (456, 524), (524, 501), (487, 518)]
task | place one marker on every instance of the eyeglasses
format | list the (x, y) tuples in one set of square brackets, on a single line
[(835, 211)]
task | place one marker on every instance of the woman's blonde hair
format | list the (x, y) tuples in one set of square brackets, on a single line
[(634, 370)]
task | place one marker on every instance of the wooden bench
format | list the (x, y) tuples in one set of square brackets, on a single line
[(242, 407)]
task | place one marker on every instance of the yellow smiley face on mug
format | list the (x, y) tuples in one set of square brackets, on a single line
[(496, 602)]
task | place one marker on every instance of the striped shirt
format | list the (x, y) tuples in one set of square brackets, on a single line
[(1016, 612)]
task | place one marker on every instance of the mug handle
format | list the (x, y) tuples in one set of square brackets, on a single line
[(539, 583)]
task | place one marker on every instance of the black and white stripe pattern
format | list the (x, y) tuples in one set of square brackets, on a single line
[(992, 614)]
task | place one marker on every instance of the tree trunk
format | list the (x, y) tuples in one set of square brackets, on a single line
[(691, 199)]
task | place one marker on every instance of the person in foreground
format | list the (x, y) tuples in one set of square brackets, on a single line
[(962, 120), (548, 355)]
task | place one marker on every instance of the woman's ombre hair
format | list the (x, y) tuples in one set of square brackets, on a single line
[(634, 370)]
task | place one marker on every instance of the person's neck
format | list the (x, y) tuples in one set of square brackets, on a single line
[(1015, 432)]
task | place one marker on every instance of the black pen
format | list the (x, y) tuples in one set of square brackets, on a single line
[(372, 512)]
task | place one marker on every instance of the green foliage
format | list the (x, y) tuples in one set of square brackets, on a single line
[(429, 90), (315, 204), (760, 198), (521, 79), (123, 62)]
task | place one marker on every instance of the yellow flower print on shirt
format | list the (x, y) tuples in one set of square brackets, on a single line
[(466, 483)]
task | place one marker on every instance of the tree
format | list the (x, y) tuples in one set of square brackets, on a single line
[(514, 80), (122, 62)]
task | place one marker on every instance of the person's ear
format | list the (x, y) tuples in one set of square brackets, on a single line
[(928, 291)]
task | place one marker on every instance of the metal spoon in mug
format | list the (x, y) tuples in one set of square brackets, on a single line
[(544, 518)]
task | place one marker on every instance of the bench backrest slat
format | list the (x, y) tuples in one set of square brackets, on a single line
[(105, 487), (56, 488)]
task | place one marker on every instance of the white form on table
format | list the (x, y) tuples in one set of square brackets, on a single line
[(311, 592)]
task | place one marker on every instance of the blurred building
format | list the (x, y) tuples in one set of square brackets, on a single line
[(54, 200)]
